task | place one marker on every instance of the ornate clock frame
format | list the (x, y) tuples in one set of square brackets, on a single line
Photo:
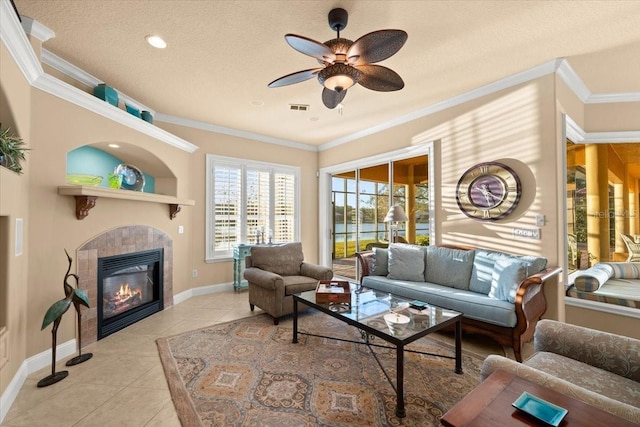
[(488, 191)]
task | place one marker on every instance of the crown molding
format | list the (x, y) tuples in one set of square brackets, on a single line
[(611, 137), (575, 83), (166, 118), (577, 135), (78, 74), (612, 98), (36, 29), (513, 80), (87, 101), (573, 131), (15, 39)]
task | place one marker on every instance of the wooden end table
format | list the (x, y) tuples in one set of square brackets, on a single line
[(489, 405)]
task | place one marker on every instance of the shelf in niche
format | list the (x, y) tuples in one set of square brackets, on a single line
[(86, 197)]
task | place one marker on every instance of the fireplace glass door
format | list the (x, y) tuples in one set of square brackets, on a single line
[(129, 288)]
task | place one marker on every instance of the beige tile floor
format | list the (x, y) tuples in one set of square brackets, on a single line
[(124, 384)]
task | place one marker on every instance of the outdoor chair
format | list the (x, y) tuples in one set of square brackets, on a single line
[(633, 248)]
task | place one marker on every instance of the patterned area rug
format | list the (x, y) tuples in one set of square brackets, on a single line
[(248, 373)]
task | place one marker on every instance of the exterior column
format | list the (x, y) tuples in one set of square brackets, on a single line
[(621, 213), (596, 165), (411, 205)]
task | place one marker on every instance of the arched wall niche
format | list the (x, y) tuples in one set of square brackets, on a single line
[(165, 181)]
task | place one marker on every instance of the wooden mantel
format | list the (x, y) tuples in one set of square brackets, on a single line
[(86, 197)]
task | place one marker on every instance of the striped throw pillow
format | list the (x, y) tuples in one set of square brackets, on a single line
[(623, 270), (591, 279)]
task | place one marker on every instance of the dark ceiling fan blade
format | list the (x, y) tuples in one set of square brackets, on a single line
[(331, 98), (376, 46), (310, 47), (379, 78), (296, 77)]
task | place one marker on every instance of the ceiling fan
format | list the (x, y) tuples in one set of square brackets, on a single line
[(345, 62)]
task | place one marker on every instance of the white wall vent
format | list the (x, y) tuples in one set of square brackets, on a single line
[(299, 107)]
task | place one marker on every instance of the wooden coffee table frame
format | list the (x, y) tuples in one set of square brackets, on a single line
[(368, 333)]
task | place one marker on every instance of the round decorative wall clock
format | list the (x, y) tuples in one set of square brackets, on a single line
[(488, 191)]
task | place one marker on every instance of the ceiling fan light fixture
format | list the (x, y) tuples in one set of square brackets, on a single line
[(339, 77)]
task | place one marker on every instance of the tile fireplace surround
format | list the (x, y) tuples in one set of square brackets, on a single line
[(119, 241)]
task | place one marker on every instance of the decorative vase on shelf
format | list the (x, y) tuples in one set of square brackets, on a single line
[(146, 116), (132, 110), (115, 180), (106, 93)]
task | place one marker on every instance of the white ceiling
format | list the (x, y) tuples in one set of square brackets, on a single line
[(222, 54)]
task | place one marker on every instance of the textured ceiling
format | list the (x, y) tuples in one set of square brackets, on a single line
[(222, 54)]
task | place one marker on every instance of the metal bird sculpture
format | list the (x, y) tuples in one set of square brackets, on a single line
[(54, 315), (79, 298)]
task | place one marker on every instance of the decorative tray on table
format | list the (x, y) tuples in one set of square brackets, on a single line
[(541, 409), (333, 291)]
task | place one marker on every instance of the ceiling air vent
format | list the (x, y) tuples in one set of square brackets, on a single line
[(298, 107)]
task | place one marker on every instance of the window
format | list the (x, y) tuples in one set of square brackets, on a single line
[(249, 202)]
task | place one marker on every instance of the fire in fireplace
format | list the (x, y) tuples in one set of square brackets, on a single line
[(129, 289)]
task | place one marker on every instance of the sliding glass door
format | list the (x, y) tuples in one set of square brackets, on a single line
[(361, 200)]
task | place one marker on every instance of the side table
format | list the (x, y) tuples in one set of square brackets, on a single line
[(489, 405), (240, 252)]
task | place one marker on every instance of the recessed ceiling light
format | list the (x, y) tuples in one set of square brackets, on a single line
[(114, 146), (156, 41), (256, 103), (314, 119)]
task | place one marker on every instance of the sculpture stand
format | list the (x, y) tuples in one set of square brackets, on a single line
[(55, 376), (80, 357)]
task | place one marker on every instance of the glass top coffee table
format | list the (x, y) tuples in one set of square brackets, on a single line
[(390, 318)]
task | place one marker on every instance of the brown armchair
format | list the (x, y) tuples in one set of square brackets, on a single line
[(277, 272)]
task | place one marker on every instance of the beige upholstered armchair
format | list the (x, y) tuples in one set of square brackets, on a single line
[(596, 367), (277, 272)]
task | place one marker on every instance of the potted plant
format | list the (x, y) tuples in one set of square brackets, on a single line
[(12, 150)]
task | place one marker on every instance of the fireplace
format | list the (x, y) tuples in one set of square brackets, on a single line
[(130, 288), (120, 241)]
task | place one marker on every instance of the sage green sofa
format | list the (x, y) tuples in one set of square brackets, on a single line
[(595, 367)]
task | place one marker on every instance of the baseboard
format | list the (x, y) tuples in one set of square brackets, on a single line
[(201, 290), (43, 360), (28, 367)]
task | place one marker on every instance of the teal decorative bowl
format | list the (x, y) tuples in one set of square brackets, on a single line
[(106, 93)]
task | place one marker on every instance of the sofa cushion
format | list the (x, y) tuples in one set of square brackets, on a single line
[(483, 263), (406, 262), (284, 260), (380, 261), (449, 267), (297, 284), (507, 275), (472, 304), (591, 279)]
